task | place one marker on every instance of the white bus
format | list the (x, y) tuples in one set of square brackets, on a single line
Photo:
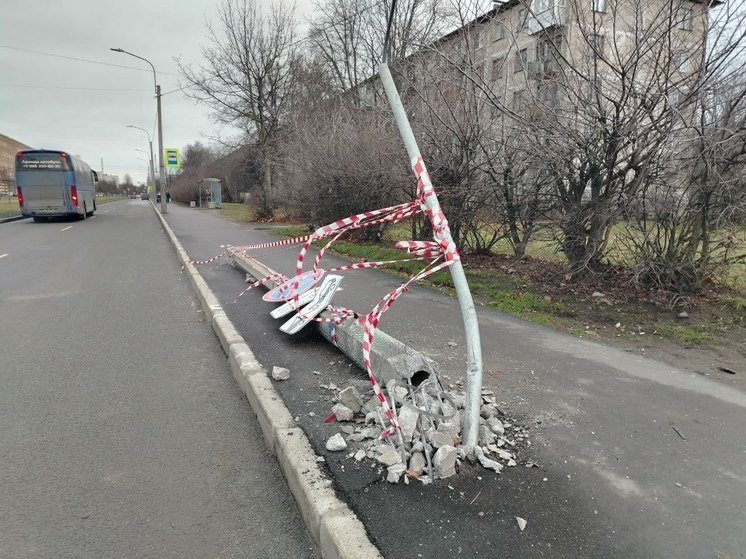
[(54, 183)]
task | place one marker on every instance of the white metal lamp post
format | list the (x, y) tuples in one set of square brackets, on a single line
[(151, 167), (161, 168)]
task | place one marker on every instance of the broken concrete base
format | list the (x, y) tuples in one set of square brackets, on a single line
[(391, 359)]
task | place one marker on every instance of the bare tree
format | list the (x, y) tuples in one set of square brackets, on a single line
[(196, 155), (247, 75), (348, 35), (340, 161), (684, 228)]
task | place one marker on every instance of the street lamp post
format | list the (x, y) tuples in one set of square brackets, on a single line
[(151, 168), (161, 168)]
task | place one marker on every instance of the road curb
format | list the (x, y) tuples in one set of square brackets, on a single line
[(13, 218), (335, 528)]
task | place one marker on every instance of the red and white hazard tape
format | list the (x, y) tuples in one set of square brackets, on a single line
[(440, 252)]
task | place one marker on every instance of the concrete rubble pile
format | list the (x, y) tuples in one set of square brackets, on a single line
[(431, 419)]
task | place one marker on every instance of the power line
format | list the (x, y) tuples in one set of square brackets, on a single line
[(71, 88), (84, 60)]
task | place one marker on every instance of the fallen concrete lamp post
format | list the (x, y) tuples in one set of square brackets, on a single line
[(392, 359)]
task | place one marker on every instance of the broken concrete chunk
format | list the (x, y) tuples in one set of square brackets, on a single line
[(371, 433), (371, 417), (449, 428), (486, 462), (394, 473), (359, 455), (347, 429), (486, 436), (521, 523), (336, 443), (439, 439), (488, 410), (459, 400), (389, 457), (342, 412), (495, 425), (417, 462), (444, 461), (370, 405), (355, 438), (351, 398), (407, 422), (280, 373), (503, 454)]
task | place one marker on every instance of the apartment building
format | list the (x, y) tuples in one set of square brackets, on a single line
[(8, 149), (529, 53)]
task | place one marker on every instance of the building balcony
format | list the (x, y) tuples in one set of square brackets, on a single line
[(550, 18)]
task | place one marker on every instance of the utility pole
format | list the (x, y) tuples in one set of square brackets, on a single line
[(161, 168)]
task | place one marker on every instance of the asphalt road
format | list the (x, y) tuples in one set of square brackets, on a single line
[(637, 459), (122, 433)]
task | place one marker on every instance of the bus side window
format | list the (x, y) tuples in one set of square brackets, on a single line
[(95, 175)]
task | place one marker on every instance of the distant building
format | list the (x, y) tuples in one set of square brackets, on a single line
[(8, 149), (105, 177)]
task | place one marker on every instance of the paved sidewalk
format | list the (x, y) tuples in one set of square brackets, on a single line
[(616, 479)]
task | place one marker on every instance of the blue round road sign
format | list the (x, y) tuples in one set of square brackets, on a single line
[(285, 292)]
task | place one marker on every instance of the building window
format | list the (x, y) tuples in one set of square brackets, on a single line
[(547, 5), (458, 51), (549, 52), (518, 103), (685, 17), (597, 45), (522, 19), (497, 68), (599, 6), (477, 39), (521, 59), (499, 32)]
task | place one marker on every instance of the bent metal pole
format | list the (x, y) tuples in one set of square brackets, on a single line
[(468, 312)]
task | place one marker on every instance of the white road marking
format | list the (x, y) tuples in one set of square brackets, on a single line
[(3, 255), (66, 228)]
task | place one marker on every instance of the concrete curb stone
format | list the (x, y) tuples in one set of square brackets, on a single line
[(335, 528)]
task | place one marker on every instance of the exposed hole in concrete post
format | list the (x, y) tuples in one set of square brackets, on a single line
[(419, 377)]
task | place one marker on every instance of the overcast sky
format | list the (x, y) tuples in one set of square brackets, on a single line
[(82, 107)]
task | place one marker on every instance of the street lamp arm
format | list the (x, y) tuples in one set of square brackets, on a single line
[(138, 128), (141, 58)]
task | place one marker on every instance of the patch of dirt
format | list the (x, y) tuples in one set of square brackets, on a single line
[(608, 306)]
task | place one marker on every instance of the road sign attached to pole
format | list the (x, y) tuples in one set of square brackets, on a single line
[(172, 158)]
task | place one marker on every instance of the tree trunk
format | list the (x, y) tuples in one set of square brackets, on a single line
[(267, 198)]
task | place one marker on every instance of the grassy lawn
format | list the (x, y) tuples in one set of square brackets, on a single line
[(9, 207), (237, 212), (507, 285)]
